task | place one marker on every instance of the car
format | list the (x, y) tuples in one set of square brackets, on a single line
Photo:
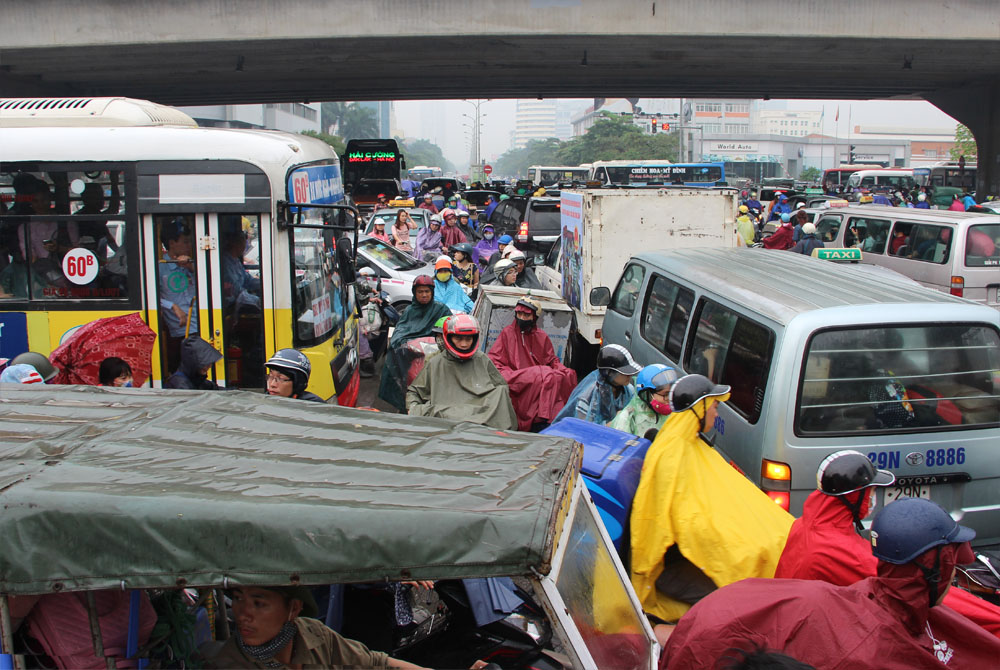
[(534, 223), (448, 185), (420, 216), (397, 269)]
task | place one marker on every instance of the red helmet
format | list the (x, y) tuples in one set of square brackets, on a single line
[(461, 324), (422, 280)]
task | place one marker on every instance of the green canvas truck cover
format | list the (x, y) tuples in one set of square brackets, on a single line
[(139, 488)]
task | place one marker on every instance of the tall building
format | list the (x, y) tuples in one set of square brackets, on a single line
[(293, 117), (726, 116), (788, 123), (534, 120)]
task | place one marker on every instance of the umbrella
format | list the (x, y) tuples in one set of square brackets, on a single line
[(127, 337)]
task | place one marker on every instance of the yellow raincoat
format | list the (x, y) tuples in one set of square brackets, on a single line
[(690, 496)]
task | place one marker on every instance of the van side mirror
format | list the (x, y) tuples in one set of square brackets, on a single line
[(345, 261), (600, 296)]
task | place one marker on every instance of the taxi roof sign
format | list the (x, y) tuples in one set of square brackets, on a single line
[(847, 255)]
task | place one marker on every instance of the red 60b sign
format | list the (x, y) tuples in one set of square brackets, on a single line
[(80, 265)]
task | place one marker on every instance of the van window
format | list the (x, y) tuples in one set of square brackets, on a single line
[(665, 316), (730, 349), (982, 246), (921, 242), (901, 378), (867, 234), (828, 227), (627, 292)]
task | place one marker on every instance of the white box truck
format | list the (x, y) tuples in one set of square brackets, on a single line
[(602, 228)]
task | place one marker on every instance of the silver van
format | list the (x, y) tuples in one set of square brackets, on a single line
[(954, 252), (886, 179), (822, 358)]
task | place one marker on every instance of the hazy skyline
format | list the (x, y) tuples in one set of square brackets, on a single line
[(442, 121)]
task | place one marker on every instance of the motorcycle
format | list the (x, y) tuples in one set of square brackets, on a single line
[(375, 313)]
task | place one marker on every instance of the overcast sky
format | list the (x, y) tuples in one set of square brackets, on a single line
[(442, 121)]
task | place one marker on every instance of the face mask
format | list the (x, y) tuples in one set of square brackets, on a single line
[(487, 236), (443, 276), (660, 407), (525, 326)]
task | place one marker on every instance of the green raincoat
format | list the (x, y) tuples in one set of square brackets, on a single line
[(637, 417), (416, 321), (471, 390)]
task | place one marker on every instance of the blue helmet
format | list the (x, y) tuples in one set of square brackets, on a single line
[(785, 217), (505, 239), (908, 527), (655, 376)]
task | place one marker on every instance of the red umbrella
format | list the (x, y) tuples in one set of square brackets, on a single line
[(127, 337)]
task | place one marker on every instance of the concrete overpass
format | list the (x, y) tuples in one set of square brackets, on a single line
[(229, 51)]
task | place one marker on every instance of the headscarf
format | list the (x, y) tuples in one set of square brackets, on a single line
[(428, 240), (484, 249)]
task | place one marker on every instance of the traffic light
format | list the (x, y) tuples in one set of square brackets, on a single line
[(653, 123), (850, 156), (666, 127)]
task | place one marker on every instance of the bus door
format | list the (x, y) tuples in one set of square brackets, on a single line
[(206, 277)]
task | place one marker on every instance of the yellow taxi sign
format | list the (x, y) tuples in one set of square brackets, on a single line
[(401, 202), (850, 255), (838, 203)]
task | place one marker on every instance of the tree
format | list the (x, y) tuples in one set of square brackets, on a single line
[(336, 142), (535, 152), (331, 115), (358, 123), (965, 144), (810, 174), (423, 152)]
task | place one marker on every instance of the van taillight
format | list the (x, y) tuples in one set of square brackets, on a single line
[(776, 481), (958, 286), (522, 232)]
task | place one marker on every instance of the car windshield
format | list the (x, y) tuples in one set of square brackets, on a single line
[(388, 256), (900, 379), (982, 246)]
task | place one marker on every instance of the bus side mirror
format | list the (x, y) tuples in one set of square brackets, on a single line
[(600, 296), (345, 261)]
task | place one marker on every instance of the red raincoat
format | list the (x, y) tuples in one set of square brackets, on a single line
[(539, 384), (781, 239), (824, 545), (881, 622)]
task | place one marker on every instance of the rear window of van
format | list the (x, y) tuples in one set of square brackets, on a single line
[(982, 246), (899, 379)]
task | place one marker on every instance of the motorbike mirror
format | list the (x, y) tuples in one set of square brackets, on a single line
[(600, 296)]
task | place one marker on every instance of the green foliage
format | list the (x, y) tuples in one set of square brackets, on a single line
[(331, 115), (423, 152), (965, 144), (349, 120), (336, 142), (610, 138), (810, 174)]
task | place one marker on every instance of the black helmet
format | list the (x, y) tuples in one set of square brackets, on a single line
[(615, 357), (464, 247), (293, 363), (847, 471), (908, 527), (689, 389), (38, 361), (422, 280)]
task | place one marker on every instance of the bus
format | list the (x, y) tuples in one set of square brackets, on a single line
[(835, 179), (371, 159), (541, 175), (658, 172), (422, 172), (114, 206), (947, 174)]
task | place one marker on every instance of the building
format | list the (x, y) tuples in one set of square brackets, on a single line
[(927, 145), (719, 116), (293, 117), (383, 115), (534, 120), (784, 122)]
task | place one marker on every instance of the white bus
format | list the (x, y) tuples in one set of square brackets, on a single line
[(639, 172), (547, 175), (946, 174), (187, 226)]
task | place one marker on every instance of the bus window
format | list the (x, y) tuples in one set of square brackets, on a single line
[(177, 286), (318, 306), (242, 304)]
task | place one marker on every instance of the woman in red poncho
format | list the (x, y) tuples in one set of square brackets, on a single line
[(539, 383)]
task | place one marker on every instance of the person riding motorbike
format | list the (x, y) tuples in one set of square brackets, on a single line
[(461, 383), (447, 289), (288, 375), (505, 273), (525, 276), (651, 406), (745, 228), (486, 247), (604, 392), (779, 207), (782, 237), (465, 271)]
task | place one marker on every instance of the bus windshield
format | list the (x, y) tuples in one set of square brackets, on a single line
[(552, 176)]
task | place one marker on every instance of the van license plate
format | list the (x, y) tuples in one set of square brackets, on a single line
[(907, 491)]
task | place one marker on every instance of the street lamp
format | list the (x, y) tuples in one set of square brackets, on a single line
[(478, 130)]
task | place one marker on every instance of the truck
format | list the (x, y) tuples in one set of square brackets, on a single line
[(602, 228)]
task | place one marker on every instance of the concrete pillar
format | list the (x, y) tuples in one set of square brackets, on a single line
[(978, 107)]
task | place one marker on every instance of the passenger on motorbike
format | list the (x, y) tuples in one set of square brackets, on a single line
[(782, 237), (447, 290), (651, 405), (288, 375), (466, 272), (505, 273), (745, 228), (604, 392), (525, 276)]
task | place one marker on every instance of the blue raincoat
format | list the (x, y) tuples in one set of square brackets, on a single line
[(594, 400), (453, 295)]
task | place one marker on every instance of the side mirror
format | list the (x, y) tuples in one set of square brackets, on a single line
[(345, 261), (538, 259), (600, 296)]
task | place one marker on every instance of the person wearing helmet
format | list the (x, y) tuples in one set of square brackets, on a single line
[(460, 383), (745, 231), (447, 290), (466, 226), (378, 230), (381, 202), (465, 271), (20, 373), (893, 620), (504, 273), (438, 332), (38, 361), (197, 359), (922, 201), (604, 392), (416, 321), (523, 353), (808, 240), (825, 542), (779, 206), (525, 276), (428, 204), (429, 242), (651, 405), (781, 239), (288, 375), (505, 247), (485, 247), (755, 206), (696, 522), (451, 234)]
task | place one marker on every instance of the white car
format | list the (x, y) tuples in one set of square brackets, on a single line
[(395, 268)]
